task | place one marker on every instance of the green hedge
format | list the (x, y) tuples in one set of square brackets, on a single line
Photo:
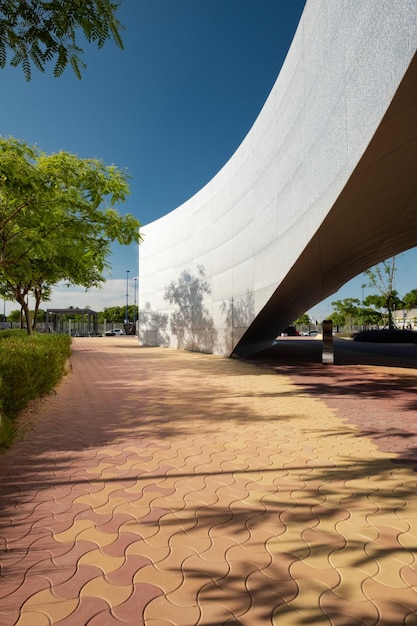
[(30, 366)]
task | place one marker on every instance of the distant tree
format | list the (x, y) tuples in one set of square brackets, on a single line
[(381, 277), (303, 320), (117, 314), (368, 316), (410, 299), (346, 312), (14, 316), (338, 318), (37, 31), (52, 224)]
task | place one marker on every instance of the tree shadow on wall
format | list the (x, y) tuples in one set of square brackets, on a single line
[(191, 322), (152, 327), (238, 314)]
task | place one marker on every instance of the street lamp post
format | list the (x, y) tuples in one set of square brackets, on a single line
[(135, 310), (127, 296)]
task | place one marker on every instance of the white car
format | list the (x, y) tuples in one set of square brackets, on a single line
[(115, 331)]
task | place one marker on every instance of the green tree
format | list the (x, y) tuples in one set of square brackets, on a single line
[(117, 314), (303, 320), (346, 312), (38, 31), (337, 318), (14, 316), (410, 299), (368, 316), (381, 277), (53, 226)]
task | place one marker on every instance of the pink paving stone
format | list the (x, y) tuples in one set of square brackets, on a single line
[(275, 578), (125, 574), (71, 587), (74, 551), (118, 547), (88, 609)]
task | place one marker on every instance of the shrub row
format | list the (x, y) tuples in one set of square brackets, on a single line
[(30, 366), (387, 336)]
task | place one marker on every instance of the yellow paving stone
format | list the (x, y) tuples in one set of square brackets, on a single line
[(354, 555), (29, 618), (105, 562), (154, 553), (99, 498), (99, 587), (74, 530), (44, 603), (166, 581), (292, 544), (161, 612), (99, 468), (351, 583), (200, 542), (210, 563), (357, 529), (96, 535), (175, 558), (290, 615)]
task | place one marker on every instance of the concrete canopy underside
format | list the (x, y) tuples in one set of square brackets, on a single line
[(323, 186)]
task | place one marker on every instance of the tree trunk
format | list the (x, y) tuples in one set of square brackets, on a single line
[(21, 299), (38, 297)]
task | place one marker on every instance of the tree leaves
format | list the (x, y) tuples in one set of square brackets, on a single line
[(38, 31), (57, 218)]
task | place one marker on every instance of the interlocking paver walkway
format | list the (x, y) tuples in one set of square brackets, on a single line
[(163, 488)]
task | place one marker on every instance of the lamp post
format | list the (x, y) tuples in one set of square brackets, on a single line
[(135, 310), (127, 296)]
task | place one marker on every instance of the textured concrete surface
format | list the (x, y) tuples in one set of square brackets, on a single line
[(322, 187), (160, 487)]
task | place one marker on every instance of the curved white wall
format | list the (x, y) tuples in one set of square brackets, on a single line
[(250, 226)]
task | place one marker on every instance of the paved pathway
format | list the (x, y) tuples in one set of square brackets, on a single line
[(165, 488)]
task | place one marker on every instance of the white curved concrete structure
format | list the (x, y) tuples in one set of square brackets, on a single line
[(323, 186)]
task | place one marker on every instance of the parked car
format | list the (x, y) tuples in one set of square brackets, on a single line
[(114, 332)]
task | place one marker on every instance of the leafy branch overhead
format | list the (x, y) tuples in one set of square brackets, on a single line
[(57, 219), (38, 31)]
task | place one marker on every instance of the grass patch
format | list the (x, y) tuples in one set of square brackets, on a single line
[(30, 367)]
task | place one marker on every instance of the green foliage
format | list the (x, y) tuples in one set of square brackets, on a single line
[(303, 320), (381, 277), (37, 32), (117, 314), (346, 312), (53, 226), (410, 299), (7, 432), (30, 366)]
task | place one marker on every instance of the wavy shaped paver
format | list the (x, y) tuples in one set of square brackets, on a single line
[(161, 487)]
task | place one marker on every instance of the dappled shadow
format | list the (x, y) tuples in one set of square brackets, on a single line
[(381, 402), (152, 327), (256, 533), (191, 322), (238, 314), (246, 557)]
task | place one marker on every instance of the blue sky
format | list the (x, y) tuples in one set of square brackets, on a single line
[(172, 108)]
